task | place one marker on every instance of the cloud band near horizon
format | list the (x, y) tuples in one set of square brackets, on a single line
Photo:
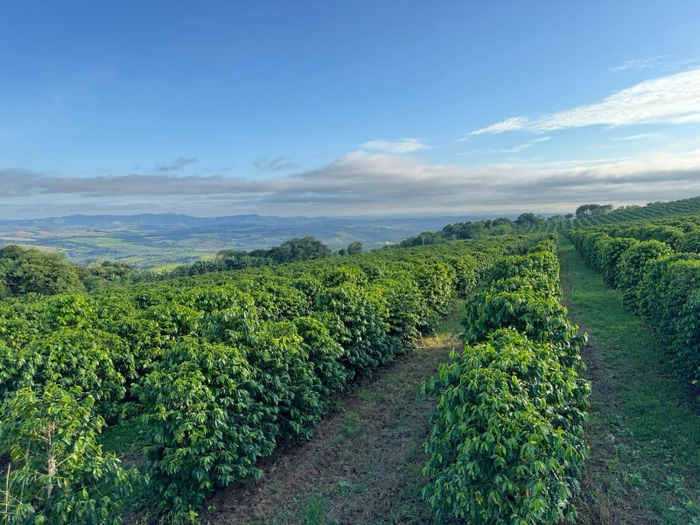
[(362, 183)]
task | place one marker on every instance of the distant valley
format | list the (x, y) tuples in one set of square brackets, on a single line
[(158, 240)]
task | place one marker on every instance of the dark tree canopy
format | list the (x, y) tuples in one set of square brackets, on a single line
[(354, 248), (588, 210), (25, 271), (529, 219), (302, 249), (464, 230)]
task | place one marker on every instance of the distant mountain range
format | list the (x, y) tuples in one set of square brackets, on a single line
[(151, 240)]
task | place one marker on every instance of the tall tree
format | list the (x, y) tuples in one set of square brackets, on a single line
[(24, 271)]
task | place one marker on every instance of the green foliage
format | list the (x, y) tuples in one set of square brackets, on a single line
[(587, 210), (354, 248), (406, 307), (303, 249), (657, 283), (281, 365), (539, 264), (609, 256), (70, 358), (31, 271), (204, 427), (104, 275), (437, 284), (276, 301), (466, 273), (631, 266), (361, 330), (506, 442), (529, 219), (58, 473), (539, 316), (690, 243), (221, 367), (324, 354), (344, 274)]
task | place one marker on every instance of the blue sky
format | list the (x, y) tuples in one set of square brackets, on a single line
[(346, 108)]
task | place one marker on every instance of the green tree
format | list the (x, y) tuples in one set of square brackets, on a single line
[(25, 271), (588, 210), (58, 473), (529, 219), (299, 250), (355, 248)]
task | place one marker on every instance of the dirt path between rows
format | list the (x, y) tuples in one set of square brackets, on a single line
[(363, 463)]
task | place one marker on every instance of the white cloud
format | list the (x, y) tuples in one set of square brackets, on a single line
[(661, 61), (644, 63), (674, 99), (510, 124), (513, 149), (403, 146), (641, 136), (370, 183)]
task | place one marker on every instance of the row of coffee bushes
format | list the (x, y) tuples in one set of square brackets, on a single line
[(653, 211), (219, 369), (506, 444), (657, 283), (680, 233)]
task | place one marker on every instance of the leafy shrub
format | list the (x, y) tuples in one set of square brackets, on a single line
[(631, 266), (282, 367), (361, 330), (506, 443), (58, 473), (67, 357), (203, 426), (540, 317), (437, 283), (610, 254), (25, 271), (324, 354), (537, 264)]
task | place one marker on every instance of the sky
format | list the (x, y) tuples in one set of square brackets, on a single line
[(346, 108)]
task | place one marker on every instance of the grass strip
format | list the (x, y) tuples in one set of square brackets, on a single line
[(644, 428)]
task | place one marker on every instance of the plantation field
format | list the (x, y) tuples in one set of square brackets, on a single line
[(217, 371), (444, 383)]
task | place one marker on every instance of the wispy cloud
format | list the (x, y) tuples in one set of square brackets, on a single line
[(510, 124), (512, 149), (641, 136), (403, 146), (643, 63), (275, 164), (363, 183), (660, 61), (515, 149), (175, 165), (673, 99)]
